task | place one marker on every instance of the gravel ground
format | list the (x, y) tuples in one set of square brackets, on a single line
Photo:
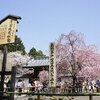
[(47, 98)]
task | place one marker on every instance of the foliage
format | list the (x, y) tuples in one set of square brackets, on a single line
[(40, 53), (76, 58), (43, 75), (17, 46), (66, 47), (14, 59), (33, 52)]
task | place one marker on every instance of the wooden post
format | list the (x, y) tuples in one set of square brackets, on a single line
[(12, 87), (90, 97), (38, 97), (3, 71)]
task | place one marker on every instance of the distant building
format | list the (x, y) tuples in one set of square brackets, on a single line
[(36, 64)]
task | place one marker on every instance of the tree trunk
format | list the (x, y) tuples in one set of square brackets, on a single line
[(74, 82)]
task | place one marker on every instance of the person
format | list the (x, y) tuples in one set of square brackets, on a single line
[(69, 87), (40, 86), (62, 86), (97, 85), (90, 87), (94, 85), (8, 85), (36, 85), (58, 85), (85, 86), (65, 86), (45, 85), (77, 86), (80, 86), (5, 87), (20, 86), (33, 86)]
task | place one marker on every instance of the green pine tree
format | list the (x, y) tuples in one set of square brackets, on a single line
[(17, 46)]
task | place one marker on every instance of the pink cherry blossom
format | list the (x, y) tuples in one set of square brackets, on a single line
[(74, 56)]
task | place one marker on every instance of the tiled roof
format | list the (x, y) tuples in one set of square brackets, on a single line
[(38, 61)]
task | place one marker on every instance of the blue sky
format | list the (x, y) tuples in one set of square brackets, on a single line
[(44, 20)]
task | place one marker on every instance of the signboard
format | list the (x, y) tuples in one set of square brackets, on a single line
[(52, 66), (7, 31)]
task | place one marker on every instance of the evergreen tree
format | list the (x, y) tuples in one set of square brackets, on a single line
[(40, 53), (17, 46), (33, 52)]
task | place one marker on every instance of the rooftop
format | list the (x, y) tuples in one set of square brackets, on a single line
[(38, 61), (10, 16)]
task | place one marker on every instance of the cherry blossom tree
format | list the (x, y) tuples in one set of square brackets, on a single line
[(16, 59), (75, 57), (43, 75), (90, 63)]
